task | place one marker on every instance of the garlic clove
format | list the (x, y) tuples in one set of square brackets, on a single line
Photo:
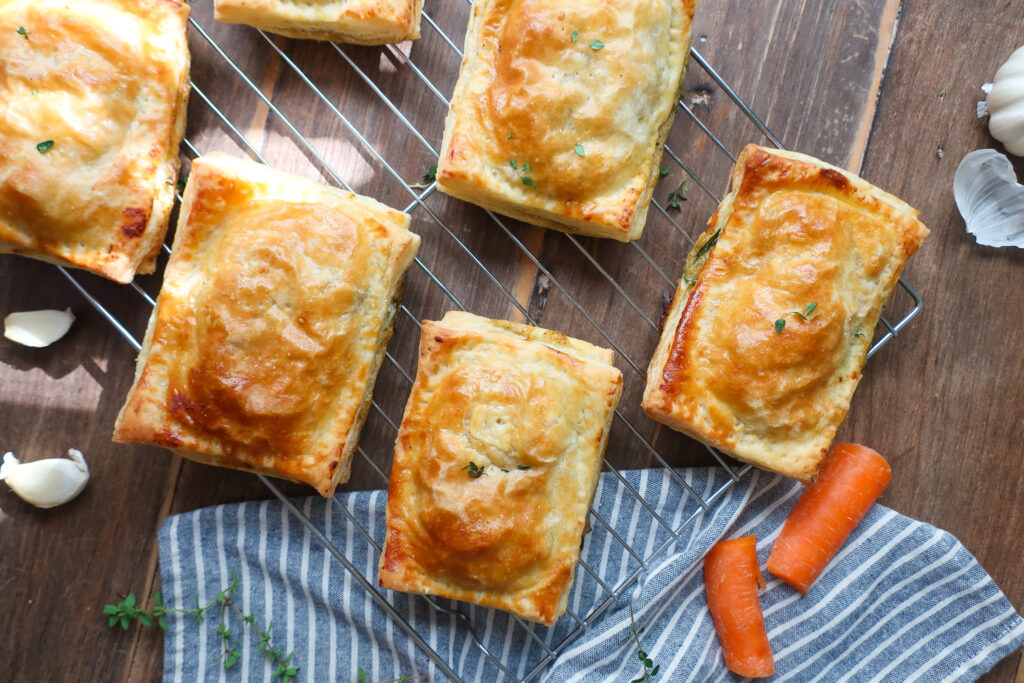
[(37, 328), (46, 483), (990, 199), (1004, 103)]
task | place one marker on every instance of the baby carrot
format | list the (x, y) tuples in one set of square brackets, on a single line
[(850, 481), (731, 577)]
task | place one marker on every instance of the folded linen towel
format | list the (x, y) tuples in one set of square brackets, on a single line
[(902, 601)]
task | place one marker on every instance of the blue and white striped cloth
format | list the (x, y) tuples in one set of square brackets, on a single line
[(902, 601)]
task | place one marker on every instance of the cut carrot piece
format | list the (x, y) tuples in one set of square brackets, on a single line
[(731, 577), (850, 481)]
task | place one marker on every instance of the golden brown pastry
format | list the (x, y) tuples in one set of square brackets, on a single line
[(92, 110), (562, 108), (496, 463), (364, 22), (275, 309), (767, 334)]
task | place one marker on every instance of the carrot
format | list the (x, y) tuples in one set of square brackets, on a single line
[(731, 577), (850, 481)]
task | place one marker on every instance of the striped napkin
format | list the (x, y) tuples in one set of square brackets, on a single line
[(902, 601)]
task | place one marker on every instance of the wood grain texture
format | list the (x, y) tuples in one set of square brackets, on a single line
[(939, 401)]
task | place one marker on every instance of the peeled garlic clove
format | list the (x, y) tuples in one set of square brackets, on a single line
[(990, 199), (37, 328), (46, 483)]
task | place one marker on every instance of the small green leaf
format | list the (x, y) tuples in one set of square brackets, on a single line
[(526, 167), (780, 324), (579, 150), (162, 623), (513, 164), (528, 181), (654, 671), (22, 32), (124, 623), (596, 44), (810, 308), (112, 621), (707, 246), (158, 599), (44, 147), (130, 600), (431, 175), (664, 171), (109, 609), (858, 334), (523, 467), (575, 34), (362, 674), (145, 620)]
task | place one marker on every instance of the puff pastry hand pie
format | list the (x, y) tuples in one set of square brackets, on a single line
[(496, 463), (92, 110), (767, 334), (364, 22), (275, 309), (562, 108)]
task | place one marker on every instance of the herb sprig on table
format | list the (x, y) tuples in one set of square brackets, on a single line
[(127, 611), (650, 668)]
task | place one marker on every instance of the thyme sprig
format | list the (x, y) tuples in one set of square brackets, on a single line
[(677, 195), (650, 668), (523, 171), (127, 611)]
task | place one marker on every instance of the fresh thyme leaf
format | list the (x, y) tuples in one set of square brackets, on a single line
[(579, 150), (810, 308), (22, 32), (509, 137), (678, 194), (780, 324), (522, 170), (858, 334), (575, 34), (523, 467), (645, 660), (44, 146), (596, 44), (526, 167), (431, 175), (528, 181), (706, 247), (474, 471), (664, 171), (513, 164)]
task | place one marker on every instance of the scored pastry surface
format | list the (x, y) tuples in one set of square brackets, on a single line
[(765, 339), (562, 108), (93, 96), (271, 323), (496, 463)]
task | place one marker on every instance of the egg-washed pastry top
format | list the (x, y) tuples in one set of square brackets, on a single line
[(767, 334), (270, 325), (496, 463), (364, 22), (92, 110), (562, 108)]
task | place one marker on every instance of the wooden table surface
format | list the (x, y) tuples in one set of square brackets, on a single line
[(884, 88)]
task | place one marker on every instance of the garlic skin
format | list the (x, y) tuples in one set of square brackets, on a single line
[(37, 328), (990, 199), (1005, 103), (46, 483)]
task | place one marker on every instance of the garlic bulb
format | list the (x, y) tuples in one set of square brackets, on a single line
[(46, 483), (990, 199), (37, 328), (1005, 103)]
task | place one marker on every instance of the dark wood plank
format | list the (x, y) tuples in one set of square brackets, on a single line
[(944, 405)]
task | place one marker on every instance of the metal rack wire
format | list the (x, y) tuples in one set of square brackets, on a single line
[(434, 222)]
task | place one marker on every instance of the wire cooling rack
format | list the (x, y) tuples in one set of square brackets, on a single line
[(370, 120)]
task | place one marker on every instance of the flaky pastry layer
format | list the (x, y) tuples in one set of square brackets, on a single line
[(93, 96), (562, 108), (496, 463), (271, 323), (765, 339), (364, 22)]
